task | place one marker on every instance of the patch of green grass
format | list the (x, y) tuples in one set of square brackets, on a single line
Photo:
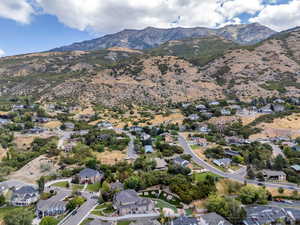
[(86, 221), (97, 212), (9, 210), (194, 147), (202, 176), (124, 222), (93, 187), (77, 187), (162, 204), (63, 184)]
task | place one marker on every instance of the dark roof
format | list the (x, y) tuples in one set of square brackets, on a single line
[(87, 173), (26, 190), (184, 220), (260, 215), (127, 196), (215, 219)]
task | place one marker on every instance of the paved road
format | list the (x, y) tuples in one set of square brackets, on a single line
[(233, 176), (82, 213), (127, 217), (65, 135), (131, 154)]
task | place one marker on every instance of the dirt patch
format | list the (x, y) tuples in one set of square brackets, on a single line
[(23, 142), (32, 171), (52, 124), (173, 118), (110, 158)]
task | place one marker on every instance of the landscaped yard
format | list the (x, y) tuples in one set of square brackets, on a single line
[(77, 187), (103, 209), (62, 184), (86, 221), (202, 176), (162, 204), (93, 187)]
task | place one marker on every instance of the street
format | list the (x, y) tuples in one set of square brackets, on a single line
[(234, 176)]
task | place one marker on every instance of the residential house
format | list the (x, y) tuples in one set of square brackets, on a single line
[(277, 108), (225, 112), (181, 162), (199, 141), (4, 121), (90, 176), (193, 117), (69, 126), (266, 109), (266, 215), (136, 129), (295, 101), (24, 196), (117, 186), (201, 108), (207, 114), (231, 153), (185, 105), (279, 101), (288, 143), (105, 125), (184, 220), (274, 175), (128, 202), (225, 162), (234, 140), (213, 219), (145, 137), (50, 207), (149, 149), (161, 164), (204, 129), (214, 103), (296, 168)]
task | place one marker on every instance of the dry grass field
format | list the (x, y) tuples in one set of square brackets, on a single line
[(52, 124), (110, 158)]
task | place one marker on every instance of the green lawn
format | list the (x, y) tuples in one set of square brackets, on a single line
[(9, 210), (194, 147), (93, 187), (86, 221), (63, 184), (162, 204), (201, 176), (124, 222), (77, 187)]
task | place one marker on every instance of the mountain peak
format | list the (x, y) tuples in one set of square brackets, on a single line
[(152, 37)]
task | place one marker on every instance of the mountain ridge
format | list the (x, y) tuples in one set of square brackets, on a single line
[(152, 37)]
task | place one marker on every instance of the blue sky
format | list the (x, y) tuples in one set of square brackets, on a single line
[(39, 25)]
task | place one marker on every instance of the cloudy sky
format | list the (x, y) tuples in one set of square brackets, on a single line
[(38, 25)]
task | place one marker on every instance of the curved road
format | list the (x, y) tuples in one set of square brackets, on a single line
[(233, 176)]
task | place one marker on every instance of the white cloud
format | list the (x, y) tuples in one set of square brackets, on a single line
[(280, 17), (114, 15), (18, 10), (2, 53)]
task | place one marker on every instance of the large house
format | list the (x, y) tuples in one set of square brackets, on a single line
[(24, 196), (206, 219), (90, 176), (128, 202), (181, 162), (225, 162), (274, 175), (265, 215), (50, 207)]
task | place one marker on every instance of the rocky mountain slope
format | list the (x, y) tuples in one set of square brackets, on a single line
[(177, 71), (153, 37)]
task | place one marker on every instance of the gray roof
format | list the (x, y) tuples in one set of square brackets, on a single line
[(127, 196), (184, 220), (45, 205), (260, 215), (215, 219), (26, 190), (88, 173), (271, 173), (117, 186)]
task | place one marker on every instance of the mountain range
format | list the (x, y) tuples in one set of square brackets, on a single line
[(211, 67), (153, 37)]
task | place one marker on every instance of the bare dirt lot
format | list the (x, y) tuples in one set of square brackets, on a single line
[(110, 158), (34, 170)]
